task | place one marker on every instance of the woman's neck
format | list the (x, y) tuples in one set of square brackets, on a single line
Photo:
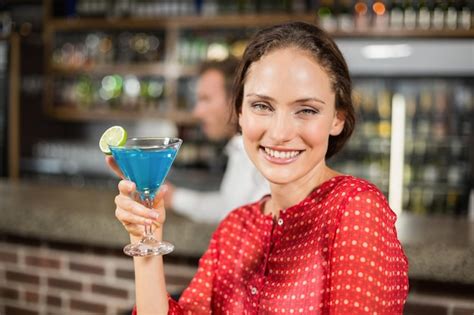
[(286, 195)]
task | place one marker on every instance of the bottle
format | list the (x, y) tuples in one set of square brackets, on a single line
[(361, 16), (384, 113), (441, 113), (299, 6), (452, 199), (417, 200), (396, 15), (409, 15), (326, 17), (465, 16), (428, 197), (439, 13), (424, 15), (345, 18), (451, 19), (380, 14), (406, 199), (424, 118)]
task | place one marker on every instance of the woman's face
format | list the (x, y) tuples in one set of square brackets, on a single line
[(288, 113)]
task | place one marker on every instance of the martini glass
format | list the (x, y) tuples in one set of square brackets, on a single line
[(146, 162)]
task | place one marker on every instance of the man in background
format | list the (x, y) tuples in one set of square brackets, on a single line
[(241, 182)]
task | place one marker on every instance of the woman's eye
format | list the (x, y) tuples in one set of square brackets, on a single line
[(261, 107), (308, 111)]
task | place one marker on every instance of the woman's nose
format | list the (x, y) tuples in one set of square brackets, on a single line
[(281, 128), (198, 110)]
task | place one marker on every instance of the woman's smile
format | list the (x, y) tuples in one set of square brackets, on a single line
[(280, 155)]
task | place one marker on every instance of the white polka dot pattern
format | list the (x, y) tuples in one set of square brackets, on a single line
[(336, 252)]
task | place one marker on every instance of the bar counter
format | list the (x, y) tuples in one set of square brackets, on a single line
[(83, 216), (438, 248)]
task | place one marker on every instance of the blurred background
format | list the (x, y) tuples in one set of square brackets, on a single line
[(70, 69)]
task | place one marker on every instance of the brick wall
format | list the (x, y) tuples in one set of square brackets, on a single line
[(439, 298), (38, 278)]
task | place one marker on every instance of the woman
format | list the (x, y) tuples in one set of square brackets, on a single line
[(321, 242)]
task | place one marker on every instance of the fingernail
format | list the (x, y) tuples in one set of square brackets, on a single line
[(154, 215), (148, 222), (164, 188)]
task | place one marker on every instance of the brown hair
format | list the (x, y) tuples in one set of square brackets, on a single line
[(319, 44), (226, 67)]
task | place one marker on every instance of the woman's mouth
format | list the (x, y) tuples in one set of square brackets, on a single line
[(280, 156)]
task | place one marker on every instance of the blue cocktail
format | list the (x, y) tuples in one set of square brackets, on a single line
[(146, 162)]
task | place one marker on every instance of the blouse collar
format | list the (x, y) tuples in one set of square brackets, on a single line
[(316, 194)]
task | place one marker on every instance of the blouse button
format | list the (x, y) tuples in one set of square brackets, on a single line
[(253, 290), (280, 222)]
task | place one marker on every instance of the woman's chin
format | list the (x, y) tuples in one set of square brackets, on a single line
[(278, 179)]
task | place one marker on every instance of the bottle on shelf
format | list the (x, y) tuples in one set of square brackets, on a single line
[(326, 15), (439, 14), (111, 92), (361, 16), (384, 114), (345, 17), (99, 48), (92, 8), (380, 15), (424, 15), (409, 15), (396, 15), (451, 18), (465, 15)]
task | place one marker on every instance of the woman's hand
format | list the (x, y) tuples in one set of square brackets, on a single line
[(169, 195), (134, 216), (109, 159)]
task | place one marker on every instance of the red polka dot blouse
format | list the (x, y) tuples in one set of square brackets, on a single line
[(335, 252)]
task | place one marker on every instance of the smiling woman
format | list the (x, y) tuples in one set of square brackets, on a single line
[(322, 242), (286, 123)]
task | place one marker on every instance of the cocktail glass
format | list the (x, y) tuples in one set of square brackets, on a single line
[(146, 162)]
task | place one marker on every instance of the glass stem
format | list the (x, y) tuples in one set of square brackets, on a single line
[(149, 227)]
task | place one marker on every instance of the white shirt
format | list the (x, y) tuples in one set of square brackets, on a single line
[(241, 184)]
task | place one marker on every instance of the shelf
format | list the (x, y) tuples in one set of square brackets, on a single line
[(153, 68), (404, 33), (138, 69), (432, 185), (71, 114), (248, 20), (235, 20), (170, 68)]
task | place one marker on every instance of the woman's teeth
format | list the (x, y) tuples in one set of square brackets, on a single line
[(281, 154)]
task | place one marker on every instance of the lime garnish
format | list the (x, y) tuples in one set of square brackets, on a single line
[(116, 136)]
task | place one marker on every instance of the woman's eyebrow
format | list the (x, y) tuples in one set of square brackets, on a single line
[(265, 97), (307, 99), (302, 100)]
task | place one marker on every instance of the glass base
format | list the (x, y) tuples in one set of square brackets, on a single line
[(148, 246)]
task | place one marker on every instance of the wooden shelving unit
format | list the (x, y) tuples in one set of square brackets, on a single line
[(170, 68), (234, 21), (403, 33), (14, 109), (73, 114), (140, 69)]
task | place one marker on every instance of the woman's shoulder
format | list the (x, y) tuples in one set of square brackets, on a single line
[(360, 194), (350, 186)]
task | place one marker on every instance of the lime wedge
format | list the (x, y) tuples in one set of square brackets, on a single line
[(115, 136)]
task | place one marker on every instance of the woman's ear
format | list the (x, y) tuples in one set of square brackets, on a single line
[(337, 124)]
